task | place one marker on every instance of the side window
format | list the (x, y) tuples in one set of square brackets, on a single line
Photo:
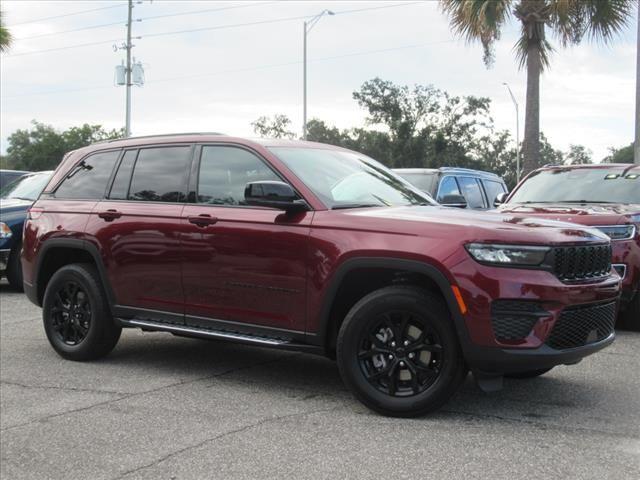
[(160, 174), (225, 171), (471, 191), (120, 187), (448, 186), (493, 189), (88, 179)]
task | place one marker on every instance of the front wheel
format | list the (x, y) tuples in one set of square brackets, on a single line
[(76, 314), (398, 352)]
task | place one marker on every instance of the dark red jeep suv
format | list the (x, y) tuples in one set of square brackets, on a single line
[(603, 196), (304, 246)]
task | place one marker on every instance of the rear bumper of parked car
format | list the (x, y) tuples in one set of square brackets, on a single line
[(521, 320)]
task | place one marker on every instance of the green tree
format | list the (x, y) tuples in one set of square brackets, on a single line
[(578, 155), (569, 20), (5, 36), (42, 147), (276, 127), (620, 155)]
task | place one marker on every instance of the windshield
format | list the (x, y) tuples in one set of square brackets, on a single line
[(27, 187), (587, 185), (425, 181), (349, 180)]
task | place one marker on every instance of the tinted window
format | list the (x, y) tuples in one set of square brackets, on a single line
[(448, 186), (160, 174), (493, 189), (28, 187), (471, 191), (120, 187), (88, 179), (225, 171)]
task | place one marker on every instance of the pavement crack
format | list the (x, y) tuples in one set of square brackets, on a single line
[(137, 394), (56, 387), (220, 436)]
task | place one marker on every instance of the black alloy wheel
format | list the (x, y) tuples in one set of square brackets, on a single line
[(71, 313), (402, 354)]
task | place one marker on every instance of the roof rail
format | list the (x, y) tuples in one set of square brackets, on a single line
[(469, 170), (160, 135)]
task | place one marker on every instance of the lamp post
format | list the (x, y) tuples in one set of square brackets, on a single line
[(308, 25), (515, 103)]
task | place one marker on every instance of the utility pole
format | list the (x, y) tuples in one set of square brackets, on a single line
[(127, 127), (636, 147)]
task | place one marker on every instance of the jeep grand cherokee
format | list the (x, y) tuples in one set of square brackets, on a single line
[(304, 246)]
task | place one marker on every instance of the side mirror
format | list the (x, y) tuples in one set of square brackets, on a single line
[(457, 201), (500, 199), (273, 194)]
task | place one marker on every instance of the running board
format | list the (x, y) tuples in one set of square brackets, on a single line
[(205, 333)]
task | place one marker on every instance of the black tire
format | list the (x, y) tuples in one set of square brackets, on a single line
[(14, 269), (76, 314), (397, 382), (527, 374)]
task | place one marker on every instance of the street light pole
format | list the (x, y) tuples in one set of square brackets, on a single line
[(127, 126), (636, 146), (515, 103), (307, 26)]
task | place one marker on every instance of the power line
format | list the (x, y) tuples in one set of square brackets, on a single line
[(246, 69), (215, 27), (68, 14), (104, 25)]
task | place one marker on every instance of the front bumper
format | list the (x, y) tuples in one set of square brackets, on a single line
[(486, 352), (4, 260)]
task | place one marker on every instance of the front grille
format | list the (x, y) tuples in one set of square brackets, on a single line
[(581, 263), (582, 325), (514, 319)]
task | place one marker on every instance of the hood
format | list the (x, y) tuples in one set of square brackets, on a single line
[(464, 225), (585, 214), (10, 206)]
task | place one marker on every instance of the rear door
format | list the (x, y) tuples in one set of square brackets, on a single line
[(137, 230), (241, 263)]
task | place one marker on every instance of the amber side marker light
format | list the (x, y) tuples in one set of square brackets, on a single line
[(458, 295)]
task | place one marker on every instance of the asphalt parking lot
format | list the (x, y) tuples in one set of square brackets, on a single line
[(162, 407)]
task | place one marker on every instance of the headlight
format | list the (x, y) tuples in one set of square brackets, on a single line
[(618, 232), (5, 232), (507, 254)]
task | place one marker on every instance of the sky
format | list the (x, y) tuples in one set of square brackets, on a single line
[(223, 75)]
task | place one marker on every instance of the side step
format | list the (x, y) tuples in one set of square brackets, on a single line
[(196, 332)]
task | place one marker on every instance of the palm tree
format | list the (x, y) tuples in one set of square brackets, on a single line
[(568, 20), (5, 36)]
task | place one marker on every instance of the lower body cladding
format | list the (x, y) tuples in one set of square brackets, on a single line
[(533, 321)]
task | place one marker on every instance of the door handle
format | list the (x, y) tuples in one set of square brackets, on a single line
[(202, 220), (110, 215)]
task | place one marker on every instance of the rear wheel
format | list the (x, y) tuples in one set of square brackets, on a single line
[(398, 352), (76, 314), (14, 269), (528, 374)]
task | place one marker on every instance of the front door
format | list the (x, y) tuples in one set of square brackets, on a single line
[(241, 264)]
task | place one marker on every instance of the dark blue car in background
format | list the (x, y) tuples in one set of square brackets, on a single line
[(15, 200)]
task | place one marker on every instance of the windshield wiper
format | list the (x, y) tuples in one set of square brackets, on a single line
[(355, 205), (585, 201)]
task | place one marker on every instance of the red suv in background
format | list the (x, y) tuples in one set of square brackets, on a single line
[(304, 246), (604, 196)]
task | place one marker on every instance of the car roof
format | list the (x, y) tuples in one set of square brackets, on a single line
[(451, 170), (202, 137)]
